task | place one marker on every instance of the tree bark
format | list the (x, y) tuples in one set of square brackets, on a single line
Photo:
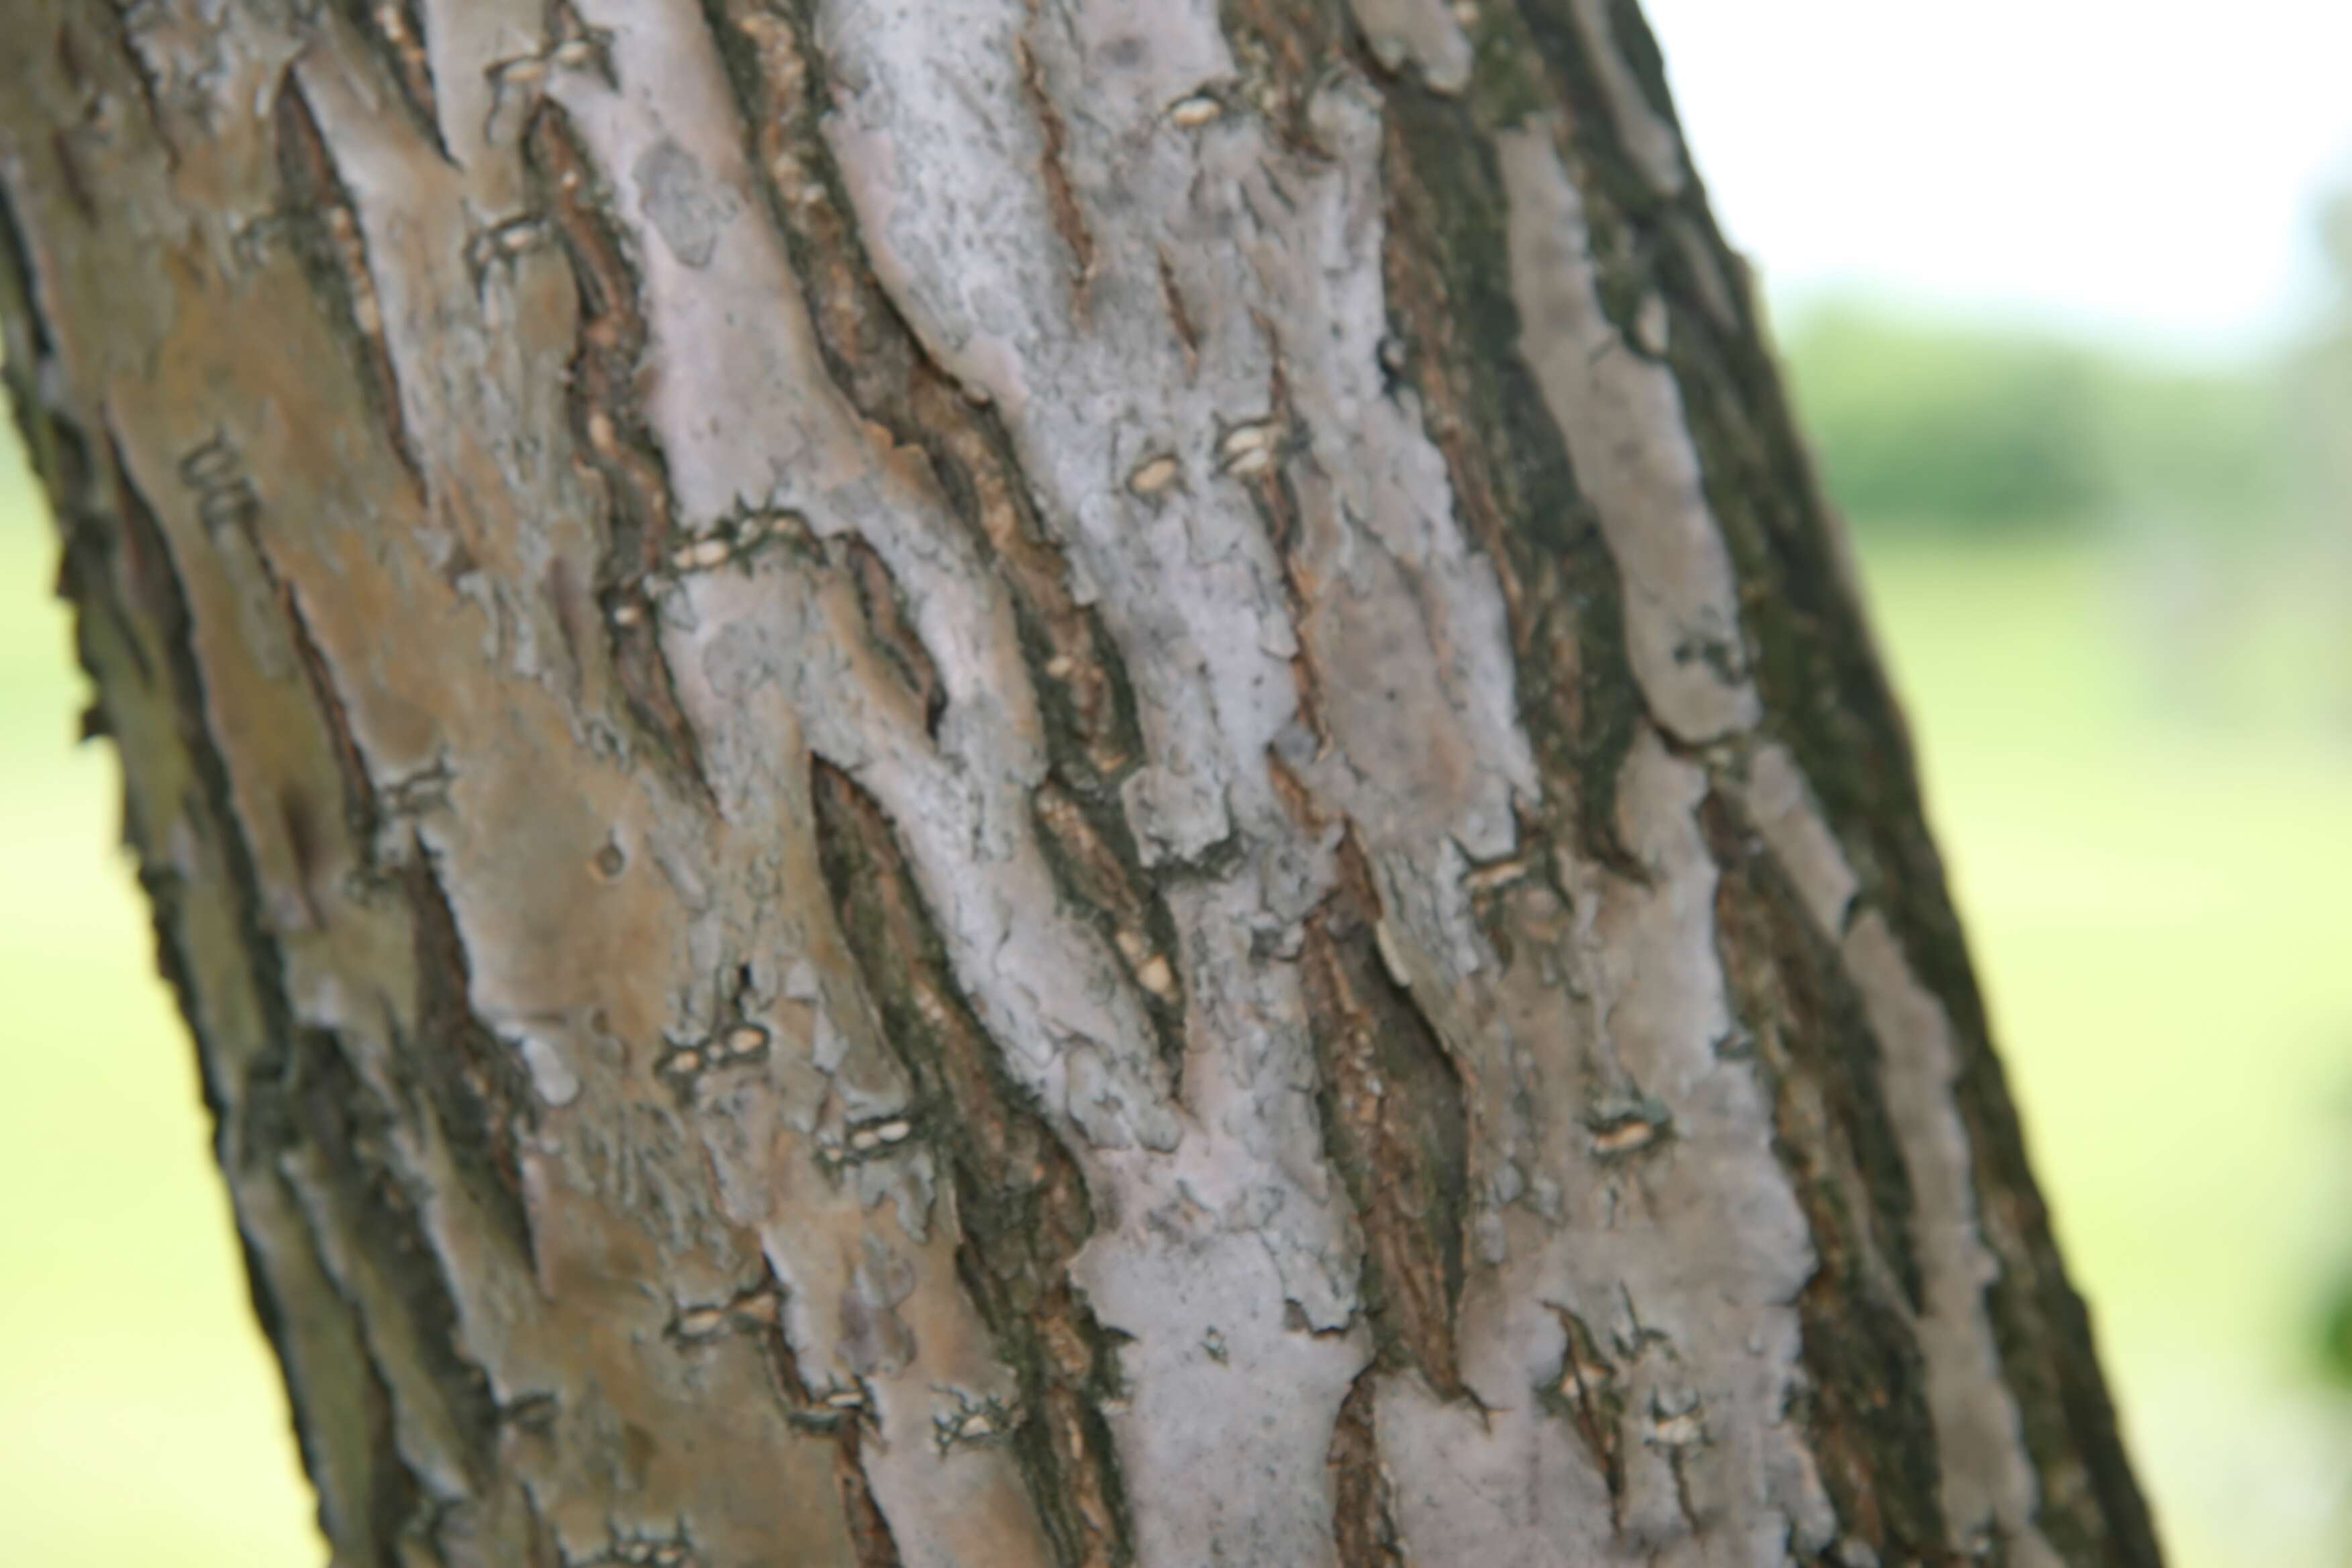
[(995, 783)]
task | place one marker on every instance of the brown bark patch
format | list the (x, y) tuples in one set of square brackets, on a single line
[(1363, 1523), (1396, 1126)]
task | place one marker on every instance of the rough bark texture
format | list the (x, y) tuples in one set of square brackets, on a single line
[(1004, 783)]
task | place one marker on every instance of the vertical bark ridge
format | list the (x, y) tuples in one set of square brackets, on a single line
[(1450, 298), (1800, 1015), (1828, 698), (1019, 1196), (780, 83)]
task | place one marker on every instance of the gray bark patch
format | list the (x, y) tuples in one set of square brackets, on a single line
[(685, 208)]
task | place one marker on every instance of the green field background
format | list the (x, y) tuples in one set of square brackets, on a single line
[(2144, 791)]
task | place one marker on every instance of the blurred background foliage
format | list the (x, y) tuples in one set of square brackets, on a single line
[(2115, 583), (1945, 425)]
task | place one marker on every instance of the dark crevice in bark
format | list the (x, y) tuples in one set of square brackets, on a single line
[(60, 453), (613, 440), (1588, 1394), (23, 316), (1179, 314), (1107, 888), (892, 628), (1800, 1012), (311, 1113), (322, 223), (1395, 1126), (480, 1094), (1061, 199), (869, 1532), (1020, 1198), (394, 33), (1865, 1411), (1363, 1518), (360, 813), (874, 357), (759, 1311), (95, 548), (1826, 695)]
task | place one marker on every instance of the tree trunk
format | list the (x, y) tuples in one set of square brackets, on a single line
[(988, 783)]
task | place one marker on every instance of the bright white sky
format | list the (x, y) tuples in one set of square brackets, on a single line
[(2150, 167)]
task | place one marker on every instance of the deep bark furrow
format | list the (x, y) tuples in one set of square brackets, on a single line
[(1396, 1126), (394, 33), (324, 229), (1019, 1196), (1456, 332), (1363, 1521), (609, 429)]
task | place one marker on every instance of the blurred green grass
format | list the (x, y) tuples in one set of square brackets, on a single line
[(2156, 897), (2148, 834)]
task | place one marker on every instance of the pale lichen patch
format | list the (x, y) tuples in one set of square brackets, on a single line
[(1428, 34)]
